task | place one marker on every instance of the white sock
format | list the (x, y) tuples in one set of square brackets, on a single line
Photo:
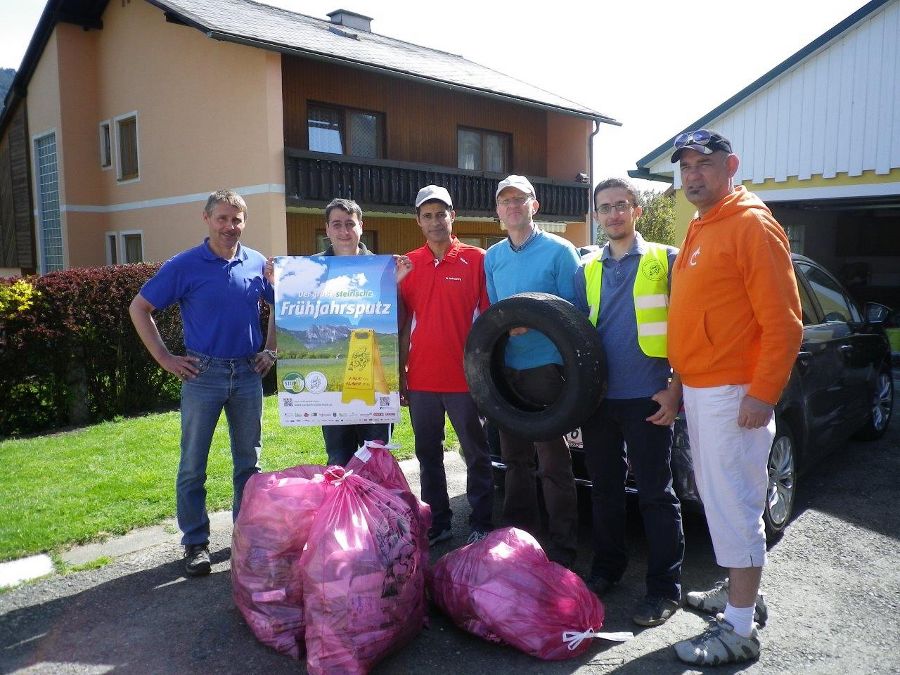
[(741, 618)]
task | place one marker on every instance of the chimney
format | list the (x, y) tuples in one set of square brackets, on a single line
[(342, 17)]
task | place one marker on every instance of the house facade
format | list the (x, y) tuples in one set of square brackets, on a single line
[(819, 141), (125, 115)]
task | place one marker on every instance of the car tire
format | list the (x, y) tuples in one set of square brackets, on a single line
[(584, 365), (782, 484), (882, 405)]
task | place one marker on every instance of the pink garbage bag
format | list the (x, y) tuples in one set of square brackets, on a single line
[(276, 516), (504, 589), (363, 582), (375, 462)]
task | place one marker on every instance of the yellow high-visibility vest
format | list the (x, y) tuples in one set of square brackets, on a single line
[(651, 297)]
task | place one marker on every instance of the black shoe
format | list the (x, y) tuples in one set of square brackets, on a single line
[(599, 585), (653, 611), (564, 558), (196, 560), (437, 535)]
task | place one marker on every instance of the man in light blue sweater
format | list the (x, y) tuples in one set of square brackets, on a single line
[(533, 260)]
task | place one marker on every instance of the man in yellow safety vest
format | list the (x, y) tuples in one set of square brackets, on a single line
[(624, 289)]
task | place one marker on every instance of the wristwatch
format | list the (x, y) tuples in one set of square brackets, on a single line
[(272, 354)]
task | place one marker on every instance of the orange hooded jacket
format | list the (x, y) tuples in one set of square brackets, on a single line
[(734, 314)]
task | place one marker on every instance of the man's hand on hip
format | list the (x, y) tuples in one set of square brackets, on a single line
[(754, 413)]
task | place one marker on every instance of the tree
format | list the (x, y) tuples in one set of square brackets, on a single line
[(657, 222)]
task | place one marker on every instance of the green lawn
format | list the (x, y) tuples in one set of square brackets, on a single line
[(83, 485)]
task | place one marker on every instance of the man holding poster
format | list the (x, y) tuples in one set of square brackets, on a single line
[(336, 321)]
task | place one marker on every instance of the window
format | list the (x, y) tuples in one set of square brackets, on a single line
[(342, 131), (368, 238), (482, 150), (105, 146), (49, 218), (796, 235), (484, 241), (124, 247), (112, 248), (127, 146), (835, 304)]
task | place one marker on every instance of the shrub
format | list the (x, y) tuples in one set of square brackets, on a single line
[(72, 355)]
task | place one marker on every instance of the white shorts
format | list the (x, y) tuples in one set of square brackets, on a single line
[(730, 466)]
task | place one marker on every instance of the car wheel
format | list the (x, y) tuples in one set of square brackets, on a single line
[(882, 405), (782, 485), (584, 365)]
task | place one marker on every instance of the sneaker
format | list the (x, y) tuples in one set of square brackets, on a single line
[(599, 585), (655, 611), (719, 644), (713, 602), (476, 536), (436, 536), (196, 560)]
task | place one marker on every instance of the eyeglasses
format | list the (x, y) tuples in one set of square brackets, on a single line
[(337, 225), (514, 201), (698, 137), (620, 207)]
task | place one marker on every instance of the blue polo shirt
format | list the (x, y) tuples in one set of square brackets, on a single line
[(546, 264), (630, 372), (218, 299)]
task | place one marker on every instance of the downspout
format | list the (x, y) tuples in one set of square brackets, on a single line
[(590, 212)]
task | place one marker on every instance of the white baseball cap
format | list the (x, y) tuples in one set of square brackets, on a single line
[(433, 192), (518, 182)]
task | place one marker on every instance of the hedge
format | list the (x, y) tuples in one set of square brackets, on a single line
[(69, 354)]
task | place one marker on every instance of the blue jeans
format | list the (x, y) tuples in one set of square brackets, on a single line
[(232, 385)]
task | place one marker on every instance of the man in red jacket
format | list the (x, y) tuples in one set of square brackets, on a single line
[(442, 295), (734, 332)]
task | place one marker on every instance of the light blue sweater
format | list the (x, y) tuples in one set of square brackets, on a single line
[(546, 264)]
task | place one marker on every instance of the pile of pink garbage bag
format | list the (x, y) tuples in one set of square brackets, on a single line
[(331, 562)]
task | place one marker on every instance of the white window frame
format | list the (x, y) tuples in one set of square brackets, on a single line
[(122, 234), (111, 244), (117, 141), (106, 145)]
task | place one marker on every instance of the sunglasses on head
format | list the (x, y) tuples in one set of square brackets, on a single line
[(698, 137)]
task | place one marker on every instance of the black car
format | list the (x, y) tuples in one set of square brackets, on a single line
[(841, 386)]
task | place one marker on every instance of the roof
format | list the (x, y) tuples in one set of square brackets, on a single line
[(271, 28), (826, 37)]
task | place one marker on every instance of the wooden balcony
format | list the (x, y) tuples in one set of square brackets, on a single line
[(315, 178)]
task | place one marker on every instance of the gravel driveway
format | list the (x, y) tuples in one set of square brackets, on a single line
[(833, 587)]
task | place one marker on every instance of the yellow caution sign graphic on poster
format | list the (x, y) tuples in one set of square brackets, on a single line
[(363, 374)]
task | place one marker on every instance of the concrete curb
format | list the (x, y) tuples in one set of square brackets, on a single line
[(14, 572)]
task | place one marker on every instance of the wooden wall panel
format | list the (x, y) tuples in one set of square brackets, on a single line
[(421, 121), (16, 227)]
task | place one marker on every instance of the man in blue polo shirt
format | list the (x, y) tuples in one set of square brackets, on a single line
[(624, 290), (218, 286), (533, 260)]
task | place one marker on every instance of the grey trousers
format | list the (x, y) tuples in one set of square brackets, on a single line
[(426, 412)]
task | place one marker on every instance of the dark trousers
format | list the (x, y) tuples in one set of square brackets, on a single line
[(426, 412), (342, 440), (649, 453), (520, 505)]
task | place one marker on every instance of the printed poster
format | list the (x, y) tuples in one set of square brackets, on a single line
[(336, 328)]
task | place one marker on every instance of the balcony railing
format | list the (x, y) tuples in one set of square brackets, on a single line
[(315, 178)]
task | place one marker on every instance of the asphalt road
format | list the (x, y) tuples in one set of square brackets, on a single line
[(833, 586)]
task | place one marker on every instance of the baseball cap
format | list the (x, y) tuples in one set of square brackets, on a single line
[(433, 192), (701, 140), (518, 182)]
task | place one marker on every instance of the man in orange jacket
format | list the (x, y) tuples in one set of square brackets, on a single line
[(734, 332)]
